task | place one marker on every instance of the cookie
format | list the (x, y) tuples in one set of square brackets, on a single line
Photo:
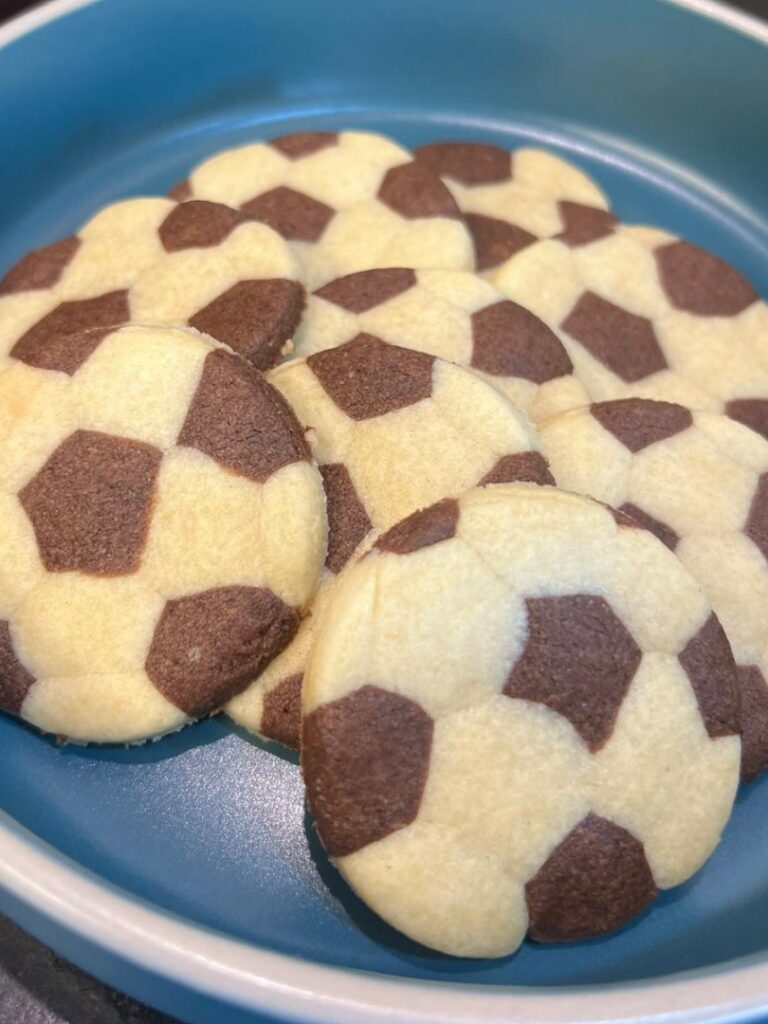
[(645, 315), (345, 201), (195, 264), (719, 301), (450, 314), (163, 529), (699, 481), (520, 716), (511, 200), (392, 430)]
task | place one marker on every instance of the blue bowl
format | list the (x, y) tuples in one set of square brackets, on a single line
[(184, 871)]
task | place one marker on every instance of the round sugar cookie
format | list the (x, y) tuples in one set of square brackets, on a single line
[(392, 430), (162, 525), (345, 201), (643, 314), (456, 316), (196, 264), (511, 200), (699, 481), (712, 297), (520, 716)]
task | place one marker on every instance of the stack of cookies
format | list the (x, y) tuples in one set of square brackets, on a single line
[(422, 463)]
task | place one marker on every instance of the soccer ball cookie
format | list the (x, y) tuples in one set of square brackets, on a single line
[(645, 315), (520, 716), (720, 301), (163, 529), (195, 264), (392, 430), (511, 200), (698, 481), (345, 201), (451, 314)]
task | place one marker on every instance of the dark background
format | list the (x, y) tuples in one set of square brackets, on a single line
[(38, 987)]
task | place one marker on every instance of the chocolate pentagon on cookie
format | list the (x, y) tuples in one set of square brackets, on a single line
[(453, 315), (699, 481), (501, 733), (643, 314), (512, 199), (345, 201), (81, 282), (163, 529), (392, 430), (193, 264)]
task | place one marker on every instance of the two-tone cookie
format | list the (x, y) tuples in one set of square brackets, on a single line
[(162, 531), (456, 316), (195, 264), (520, 717), (392, 430), (511, 200), (346, 201), (699, 481), (718, 306), (645, 315)]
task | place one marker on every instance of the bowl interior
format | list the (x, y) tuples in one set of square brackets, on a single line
[(120, 98)]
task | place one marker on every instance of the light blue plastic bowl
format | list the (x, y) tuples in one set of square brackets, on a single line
[(182, 871)]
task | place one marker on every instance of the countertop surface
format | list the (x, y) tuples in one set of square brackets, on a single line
[(37, 986)]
